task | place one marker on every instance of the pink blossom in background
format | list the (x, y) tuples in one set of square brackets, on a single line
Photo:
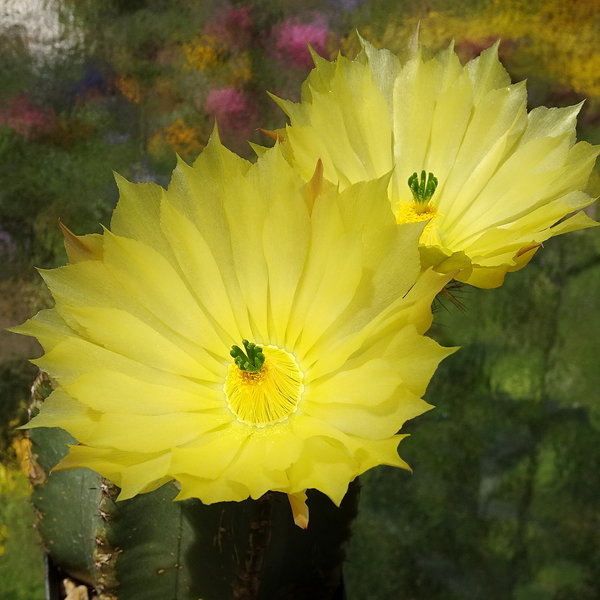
[(25, 118), (233, 28), (234, 110), (292, 37)]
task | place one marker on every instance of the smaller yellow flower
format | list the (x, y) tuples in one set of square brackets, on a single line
[(507, 180)]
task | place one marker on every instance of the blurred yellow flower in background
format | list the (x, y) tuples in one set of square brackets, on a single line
[(203, 52), (239, 70), (183, 138), (562, 37), (179, 137), (239, 332), (129, 87), (502, 178), (555, 39)]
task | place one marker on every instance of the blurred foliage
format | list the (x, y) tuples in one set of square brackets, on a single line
[(15, 389), (21, 559), (503, 500)]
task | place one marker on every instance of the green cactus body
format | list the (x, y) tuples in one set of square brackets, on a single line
[(64, 502), (151, 548)]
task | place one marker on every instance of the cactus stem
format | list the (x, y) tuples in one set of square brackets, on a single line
[(105, 555), (246, 581)]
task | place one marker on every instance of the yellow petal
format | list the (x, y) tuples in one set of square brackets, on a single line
[(47, 326), (60, 410), (144, 477), (146, 276), (84, 247), (121, 332), (414, 307), (208, 457), (200, 269), (285, 240), (199, 193), (111, 391), (91, 283), (409, 355), (320, 305), (108, 462), (368, 385), (137, 215), (263, 459), (325, 466), (413, 110), (372, 422), (380, 452), (74, 357), (211, 490), (149, 433), (268, 224), (358, 138)]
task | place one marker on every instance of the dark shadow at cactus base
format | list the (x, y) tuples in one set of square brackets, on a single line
[(295, 564)]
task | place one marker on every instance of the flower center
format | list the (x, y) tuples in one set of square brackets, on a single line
[(421, 208), (407, 213), (422, 190), (268, 395)]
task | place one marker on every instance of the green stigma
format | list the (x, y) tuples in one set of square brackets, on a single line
[(252, 361), (423, 190)]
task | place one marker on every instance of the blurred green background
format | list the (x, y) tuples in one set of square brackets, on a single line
[(503, 501)]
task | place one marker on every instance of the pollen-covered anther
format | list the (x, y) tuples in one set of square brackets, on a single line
[(268, 395), (407, 213)]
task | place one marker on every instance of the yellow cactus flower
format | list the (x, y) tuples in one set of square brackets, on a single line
[(505, 178), (239, 332)]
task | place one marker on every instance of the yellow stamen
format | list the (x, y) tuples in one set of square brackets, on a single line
[(406, 212), (269, 395)]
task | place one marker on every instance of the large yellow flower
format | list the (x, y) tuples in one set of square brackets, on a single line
[(240, 332), (505, 177)]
